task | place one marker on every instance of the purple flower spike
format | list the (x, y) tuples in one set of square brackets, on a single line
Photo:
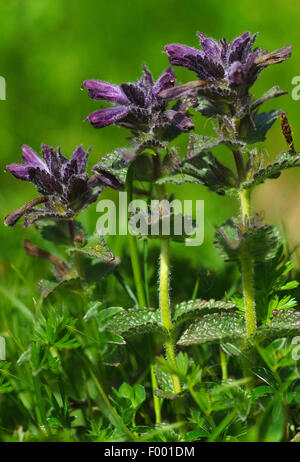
[(139, 105), (64, 184), (223, 66)]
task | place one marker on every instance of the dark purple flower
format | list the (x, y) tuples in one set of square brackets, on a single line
[(64, 184), (223, 65), (138, 105)]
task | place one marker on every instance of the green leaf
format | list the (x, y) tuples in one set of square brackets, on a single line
[(259, 241), (113, 167), (274, 92), (48, 287), (93, 311), (136, 321), (193, 309), (165, 388), (58, 231), (283, 324), (201, 143), (267, 376), (262, 122), (135, 394), (215, 327), (204, 169), (5, 385), (166, 223), (284, 161), (95, 247)]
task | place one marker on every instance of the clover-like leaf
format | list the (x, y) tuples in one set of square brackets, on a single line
[(259, 241), (214, 327), (262, 123), (284, 161), (95, 247), (283, 324), (193, 309), (136, 321)]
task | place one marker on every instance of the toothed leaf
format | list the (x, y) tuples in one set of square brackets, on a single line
[(136, 321), (201, 143), (259, 241), (274, 92), (193, 309), (263, 122), (283, 324), (205, 169), (214, 327), (95, 247), (284, 161)]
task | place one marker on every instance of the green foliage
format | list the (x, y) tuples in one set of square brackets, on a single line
[(259, 241), (214, 327), (283, 324), (262, 123), (193, 309), (95, 247), (136, 321), (5, 384), (203, 168), (284, 161)]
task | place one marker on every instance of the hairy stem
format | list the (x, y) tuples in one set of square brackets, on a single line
[(247, 268), (166, 309)]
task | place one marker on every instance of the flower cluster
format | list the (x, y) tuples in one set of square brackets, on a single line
[(222, 66), (64, 184), (138, 106)]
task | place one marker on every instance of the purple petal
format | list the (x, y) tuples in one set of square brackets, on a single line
[(180, 120), (105, 91), (30, 158), (108, 116), (237, 46), (165, 81), (19, 171), (45, 182), (235, 73), (182, 55), (81, 157), (146, 80), (210, 47), (55, 161), (188, 88)]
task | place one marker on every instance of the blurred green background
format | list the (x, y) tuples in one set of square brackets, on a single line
[(47, 49)]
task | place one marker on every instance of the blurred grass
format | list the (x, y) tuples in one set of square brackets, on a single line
[(49, 47)]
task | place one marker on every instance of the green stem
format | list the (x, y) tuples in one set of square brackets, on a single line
[(156, 401), (223, 362), (40, 403), (134, 255), (142, 299), (166, 310), (247, 268)]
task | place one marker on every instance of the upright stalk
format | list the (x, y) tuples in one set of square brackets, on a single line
[(134, 255), (165, 308), (247, 268), (137, 276)]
